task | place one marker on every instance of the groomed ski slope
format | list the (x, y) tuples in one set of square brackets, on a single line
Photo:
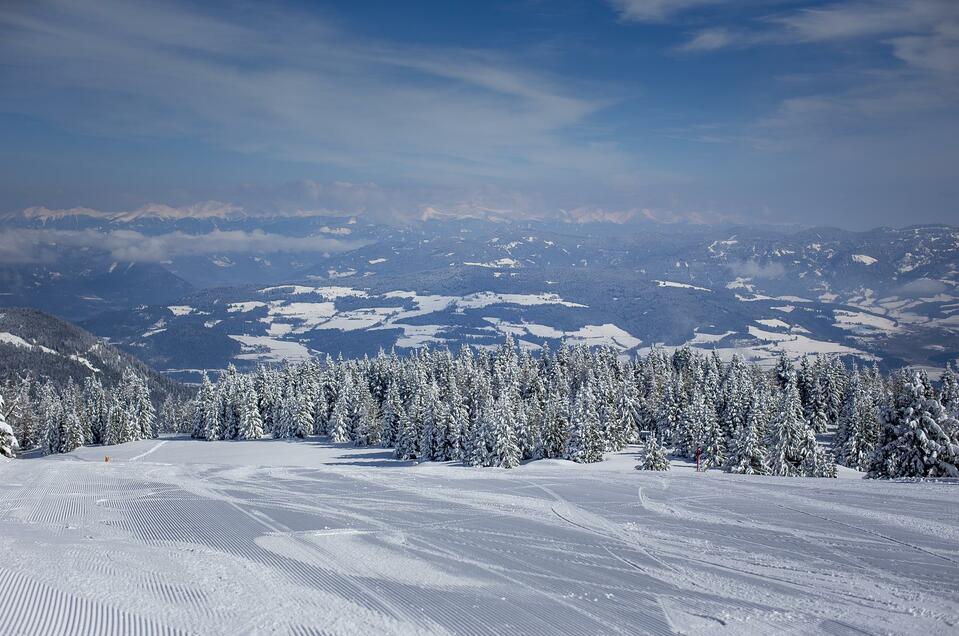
[(181, 536)]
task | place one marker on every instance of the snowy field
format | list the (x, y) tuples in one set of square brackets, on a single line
[(181, 536)]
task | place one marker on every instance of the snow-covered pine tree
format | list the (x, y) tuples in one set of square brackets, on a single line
[(206, 416), (8, 442), (817, 407), (747, 455), (302, 422), (626, 415), (556, 421), (146, 413), (370, 427), (392, 414), (654, 456), (339, 424), (836, 379), (785, 432), (23, 416), (457, 426), (49, 412), (116, 420), (268, 397), (71, 432), (714, 439), (430, 433), (863, 435), (668, 414), (584, 445), (506, 452), (250, 422), (690, 433), (785, 371), (94, 410), (919, 439), (476, 445), (408, 437), (949, 392)]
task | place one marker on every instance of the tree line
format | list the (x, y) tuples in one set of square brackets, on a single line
[(504, 406)]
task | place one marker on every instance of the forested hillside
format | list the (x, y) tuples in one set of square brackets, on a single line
[(46, 347)]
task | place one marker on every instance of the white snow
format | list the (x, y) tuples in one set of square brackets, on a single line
[(485, 299), (741, 283), (330, 292), (708, 338), (14, 340), (17, 341), (862, 322), (669, 283), (269, 536), (590, 335), (796, 344), (500, 262), (376, 261), (267, 349), (78, 358), (774, 323), (309, 315), (864, 259), (246, 306), (181, 310)]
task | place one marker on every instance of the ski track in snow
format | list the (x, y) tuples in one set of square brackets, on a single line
[(182, 536), (147, 452)]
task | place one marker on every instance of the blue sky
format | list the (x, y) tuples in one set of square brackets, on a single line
[(843, 113)]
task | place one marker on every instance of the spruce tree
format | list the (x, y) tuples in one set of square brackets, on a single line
[(949, 392), (747, 455), (785, 433), (116, 421), (393, 412), (919, 439), (49, 412), (8, 442), (506, 453), (585, 444), (339, 425), (71, 436), (250, 422), (654, 457)]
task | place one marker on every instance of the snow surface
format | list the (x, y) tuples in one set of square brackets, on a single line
[(17, 341), (183, 536), (775, 323), (606, 334), (865, 259), (269, 349), (500, 262), (669, 283)]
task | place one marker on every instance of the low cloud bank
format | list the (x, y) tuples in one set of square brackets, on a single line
[(755, 269), (43, 246)]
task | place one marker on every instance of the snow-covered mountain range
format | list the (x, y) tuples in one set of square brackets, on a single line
[(189, 292)]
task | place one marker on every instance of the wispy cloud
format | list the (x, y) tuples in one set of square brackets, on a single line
[(294, 87), (655, 10), (933, 23)]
